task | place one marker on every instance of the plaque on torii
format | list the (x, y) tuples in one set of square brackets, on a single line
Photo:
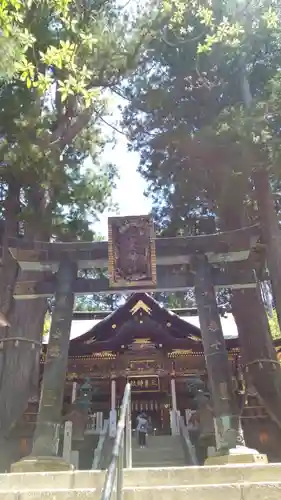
[(131, 252)]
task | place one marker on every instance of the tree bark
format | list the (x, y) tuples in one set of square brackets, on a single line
[(259, 357), (10, 268), (257, 349), (271, 233), (20, 342), (19, 360)]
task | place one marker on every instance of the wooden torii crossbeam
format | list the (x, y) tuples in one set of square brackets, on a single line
[(169, 279), (227, 251), (231, 246)]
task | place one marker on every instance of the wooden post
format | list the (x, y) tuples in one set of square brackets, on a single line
[(226, 418), (47, 433)]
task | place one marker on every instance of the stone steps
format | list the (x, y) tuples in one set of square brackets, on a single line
[(161, 451), (232, 491), (151, 465), (140, 478)]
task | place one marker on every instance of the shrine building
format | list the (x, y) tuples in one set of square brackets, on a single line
[(157, 351)]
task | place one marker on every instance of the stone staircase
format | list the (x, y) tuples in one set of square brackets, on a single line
[(161, 451), (244, 482)]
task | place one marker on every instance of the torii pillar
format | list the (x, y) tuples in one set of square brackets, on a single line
[(229, 435), (44, 455)]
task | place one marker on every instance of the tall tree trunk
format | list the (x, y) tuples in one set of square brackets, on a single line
[(10, 268), (271, 233), (19, 370), (267, 215), (257, 349), (19, 360), (20, 342)]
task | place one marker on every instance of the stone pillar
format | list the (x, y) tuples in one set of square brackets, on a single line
[(99, 422), (174, 423), (113, 412), (67, 441), (113, 394), (173, 394), (47, 432), (225, 409), (46, 439), (75, 459), (173, 413), (188, 415), (74, 392)]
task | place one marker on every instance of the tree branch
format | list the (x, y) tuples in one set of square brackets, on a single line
[(111, 126), (61, 138), (65, 133), (179, 41)]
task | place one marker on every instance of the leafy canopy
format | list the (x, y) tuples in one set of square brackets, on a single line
[(89, 43), (53, 107), (186, 115)]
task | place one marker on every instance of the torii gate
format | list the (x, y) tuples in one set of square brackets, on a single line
[(137, 261)]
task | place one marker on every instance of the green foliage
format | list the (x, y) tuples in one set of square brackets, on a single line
[(97, 301), (47, 325), (215, 28), (52, 109), (274, 326), (72, 196), (15, 39), (187, 117), (77, 46)]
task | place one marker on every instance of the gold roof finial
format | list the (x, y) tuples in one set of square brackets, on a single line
[(141, 305)]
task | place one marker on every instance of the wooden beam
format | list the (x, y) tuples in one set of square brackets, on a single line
[(236, 275), (220, 247)]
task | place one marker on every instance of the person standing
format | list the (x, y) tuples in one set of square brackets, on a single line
[(142, 428)]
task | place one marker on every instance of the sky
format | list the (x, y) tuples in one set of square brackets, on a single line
[(130, 186), (129, 192)]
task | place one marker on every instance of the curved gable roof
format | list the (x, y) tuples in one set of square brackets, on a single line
[(131, 319)]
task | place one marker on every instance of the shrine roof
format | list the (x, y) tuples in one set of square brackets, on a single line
[(85, 321), (141, 316)]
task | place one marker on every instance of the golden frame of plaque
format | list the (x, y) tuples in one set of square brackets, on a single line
[(141, 385), (131, 252)]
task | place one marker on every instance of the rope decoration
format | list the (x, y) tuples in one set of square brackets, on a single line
[(260, 363), (20, 339)]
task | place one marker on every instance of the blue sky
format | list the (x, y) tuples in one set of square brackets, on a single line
[(130, 186)]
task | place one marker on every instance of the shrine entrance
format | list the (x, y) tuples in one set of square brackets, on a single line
[(158, 414), (149, 396)]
